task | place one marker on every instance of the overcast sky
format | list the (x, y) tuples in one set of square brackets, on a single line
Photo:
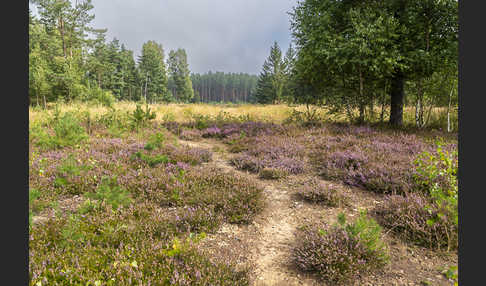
[(218, 35)]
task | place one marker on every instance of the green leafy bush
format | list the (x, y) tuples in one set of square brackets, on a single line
[(106, 98), (152, 161), (437, 173), (156, 141), (110, 192)]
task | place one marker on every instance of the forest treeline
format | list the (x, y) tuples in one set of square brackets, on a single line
[(70, 60), (365, 59)]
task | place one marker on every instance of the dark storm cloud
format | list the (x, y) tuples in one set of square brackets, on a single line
[(218, 35)]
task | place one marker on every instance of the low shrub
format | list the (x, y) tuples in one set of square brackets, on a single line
[(139, 117), (111, 193), (188, 155), (436, 172), (151, 160), (66, 131), (319, 192), (106, 98), (155, 141), (407, 217), (273, 152), (272, 173), (138, 243), (342, 251), (192, 135), (430, 217)]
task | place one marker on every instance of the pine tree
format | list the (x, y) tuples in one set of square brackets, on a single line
[(180, 80), (153, 72), (289, 64), (272, 78)]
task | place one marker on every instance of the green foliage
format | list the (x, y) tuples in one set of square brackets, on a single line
[(309, 117), (272, 78), (201, 121), (106, 98), (152, 161), (155, 141), (369, 233), (110, 192), (67, 132), (451, 273), (71, 233), (88, 206), (437, 174), (34, 194), (139, 117), (179, 81), (348, 51), (153, 71)]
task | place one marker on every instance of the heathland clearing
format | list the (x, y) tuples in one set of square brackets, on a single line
[(230, 195)]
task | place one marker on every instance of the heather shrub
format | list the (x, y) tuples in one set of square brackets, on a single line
[(407, 217), (430, 220), (198, 219), (342, 251), (236, 198), (186, 154), (272, 173), (271, 152), (362, 157), (138, 243), (319, 192), (193, 135), (247, 163)]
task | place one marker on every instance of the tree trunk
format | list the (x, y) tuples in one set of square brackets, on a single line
[(419, 109), (396, 103), (372, 108), (361, 98), (61, 31), (449, 129), (383, 101)]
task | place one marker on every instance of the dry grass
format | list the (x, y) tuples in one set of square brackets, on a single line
[(267, 113)]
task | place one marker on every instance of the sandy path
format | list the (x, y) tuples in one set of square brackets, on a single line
[(271, 235)]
